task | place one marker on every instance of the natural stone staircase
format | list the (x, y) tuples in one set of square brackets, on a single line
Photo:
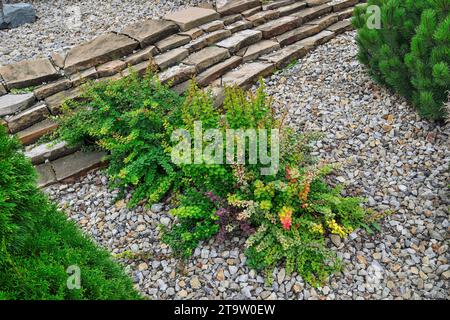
[(234, 45)]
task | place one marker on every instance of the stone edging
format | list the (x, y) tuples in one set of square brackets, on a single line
[(235, 45)]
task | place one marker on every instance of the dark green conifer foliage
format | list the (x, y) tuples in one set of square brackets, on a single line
[(410, 53)]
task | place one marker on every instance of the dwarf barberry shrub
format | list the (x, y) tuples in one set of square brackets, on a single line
[(410, 53), (127, 119)]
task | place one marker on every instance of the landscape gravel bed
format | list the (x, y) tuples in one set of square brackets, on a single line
[(62, 24), (389, 156)]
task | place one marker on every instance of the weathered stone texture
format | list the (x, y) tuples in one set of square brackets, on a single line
[(28, 73), (192, 17), (27, 118), (13, 103), (207, 57), (150, 31)]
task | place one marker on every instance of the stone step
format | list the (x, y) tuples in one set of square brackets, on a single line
[(318, 39), (3, 90), (14, 103), (343, 4), (107, 47), (172, 42), (140, 68), (84, 76), (255, 50), (27, 118), (76, 164), (286, 55), (345, 14), (140, 56), (192, 17), (207, 57), (52, 88), (237, 6), (193, 33), (46, 175), (314, 3), (33, 133), (49, 151), (28, 73), (240, 40), (110, 68), (170, 58), (312, 13), (277, 4), (263, 17), (55, 102), (290, 9), (251, 12), (239, 26), (297, 34), (227, 20), (150, 31), (177, 74), (276, 27), (212, 26), (341, 26), (325, 21), (247, 74), (211, 74), (207, 40)]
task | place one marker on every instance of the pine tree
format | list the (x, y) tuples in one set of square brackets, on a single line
[(410, 52)]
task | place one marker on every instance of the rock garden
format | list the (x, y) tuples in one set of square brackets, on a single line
[(356, 207)]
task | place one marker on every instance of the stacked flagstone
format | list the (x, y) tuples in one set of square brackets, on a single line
[(234, 45)]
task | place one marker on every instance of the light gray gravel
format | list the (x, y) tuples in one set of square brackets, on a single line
[(388, 155), (58, 27)]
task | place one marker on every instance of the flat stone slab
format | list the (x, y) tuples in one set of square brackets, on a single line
[(55, 102), (276, 27), (345, 14), (277, 4), (168, 59), (237, 6), (46, 175), (341, 26), (338, 6), (150, 31), (240, 40), (232, 18), (325, 21), (104, 48), (76, 164), (13, 103), (298, 34), (140, 68), (27, 118), (192, 17), (251, 12), (193, 33), (318, 39), (207, 57), (314, 12), (49, 151), (207, 40), (292, 8), (247, 74), (17, 14), (84, 76), (172, 42), (141, 55), (32, 134), (212, 26), (258, 49), (110, 68), (286, 55), (52, 88), (28, 73), (3, 90), (239, 26), (211, 74), (314, 3), (178, 74), (263, 17)]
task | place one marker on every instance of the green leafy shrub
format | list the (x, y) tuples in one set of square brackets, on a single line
[(410, 53), (127, 118), (38, 244), (286, 215)]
